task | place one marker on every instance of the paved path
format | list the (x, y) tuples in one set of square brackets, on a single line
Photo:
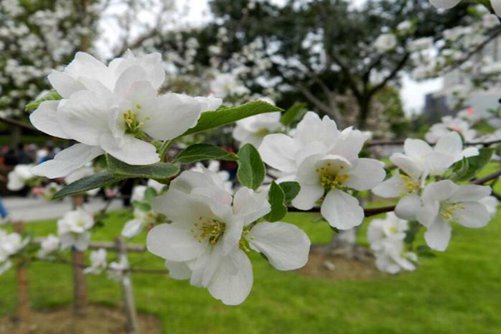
[(29, 209)]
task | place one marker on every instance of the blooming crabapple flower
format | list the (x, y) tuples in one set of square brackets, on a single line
[(419, 161), (19, 176), (98, 262), (444, 203), (227, 84), (73, 229), (325, 162), (446, 4), (385, 42), (253, 129), (450, 124), (49, 245), (117, 269), (141, 219), (211, 231), (10, 244), (111, 109), (214, 168), (386, 238)]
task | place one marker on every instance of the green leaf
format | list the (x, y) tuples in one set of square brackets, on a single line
[(467, 168), (294, 113), (150, 193), (143, 206), (251, 169), (98, 180), (200, 152), (291, 189), (425, 251), (276, 197), (159, 171), (224, 116), (50, 96)]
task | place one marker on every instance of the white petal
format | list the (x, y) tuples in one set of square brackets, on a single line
[(44, 118), (390, 188), (84, 116), (444, 4), (308, 196), (64, 84), (473, 215), (278, 150), (416, 148), (132, 228), (249, 205), (306, 172), (438, 235), (208, 103), (408, 207), (232, 282), (285, 245), (450, 143), (349, 143), (439, 191), (173, 243), (428, 213), (67, 161), (407, 164), (470, 192), (366, 174), (496, 5), (178, 270), (127, 78), (130, 149), (342, 210)]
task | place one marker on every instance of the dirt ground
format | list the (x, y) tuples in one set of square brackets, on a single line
[(98, 320), (339, 266)]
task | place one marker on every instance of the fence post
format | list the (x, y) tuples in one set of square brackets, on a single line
[(79, 287), (128, 294), (23, 307)]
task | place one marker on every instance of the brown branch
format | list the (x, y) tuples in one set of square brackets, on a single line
[(487, 178), (18, 124)]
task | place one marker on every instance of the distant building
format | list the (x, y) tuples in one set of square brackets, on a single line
[(442, 103)]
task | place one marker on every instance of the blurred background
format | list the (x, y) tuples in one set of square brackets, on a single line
[(392, 67)]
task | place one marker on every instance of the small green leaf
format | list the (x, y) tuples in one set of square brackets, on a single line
[(159, 171), (294, 113), (224, 116), (251, 169), (291, 189), (425, 251), (200, 152), (98, 180), (50, 96), (467, 168), (143, 206), (276, 197), (150, 193)]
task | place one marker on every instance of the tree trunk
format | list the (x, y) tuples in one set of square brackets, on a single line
[(79, 287)]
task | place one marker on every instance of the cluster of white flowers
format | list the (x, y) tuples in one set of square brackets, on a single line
[(253, 129), (386, 238), (434, 205), (448, 125), (326, 164), (48, 246), (19, 177), (10, 244), (98, 262), (113, 109), (73, 229), (446, 4), (211, 231)]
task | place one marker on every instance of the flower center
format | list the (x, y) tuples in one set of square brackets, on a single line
[(410, 185), (448, 211), (209, 229), (131, 121), (331, 176)]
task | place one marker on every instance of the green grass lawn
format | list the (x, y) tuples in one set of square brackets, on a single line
[(458, 291)]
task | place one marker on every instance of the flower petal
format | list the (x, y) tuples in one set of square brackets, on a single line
[(390, 188), (444, 4), (308, 196), (408, 207), (67, 161), (249, 205), (407, 164), (365, 174), (470, 192), (232, 282), (129, 149), (439, 191), (473, 215), (342, 210), (438, 235), (178, 270), (285, 245), (278, 151), (44, 118), (173, 242), (64, 84)]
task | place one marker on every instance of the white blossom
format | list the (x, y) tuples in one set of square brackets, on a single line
[(19, 177), (253, 129), (385, 42), (98, 262), (73, 229), (49, 245), (211, 231), (326, 164), (450, 124)]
